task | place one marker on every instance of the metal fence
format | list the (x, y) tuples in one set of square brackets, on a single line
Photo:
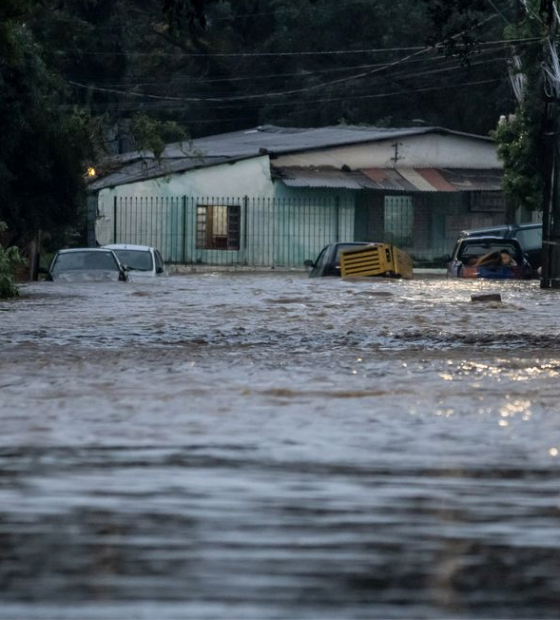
[(254, 231)]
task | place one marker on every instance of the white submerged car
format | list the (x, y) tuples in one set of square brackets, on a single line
[(139, 260)]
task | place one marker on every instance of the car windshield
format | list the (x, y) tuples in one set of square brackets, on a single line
[(138, 260), (72, 261), (471, 251)]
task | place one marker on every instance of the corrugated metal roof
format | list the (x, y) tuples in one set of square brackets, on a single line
[(264, 140), (436, 180), (143, 169), (279, 140), (390, 179), (472, 179), (417, 180), (323, 178)]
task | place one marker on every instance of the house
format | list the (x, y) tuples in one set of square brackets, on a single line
[(274, 196)]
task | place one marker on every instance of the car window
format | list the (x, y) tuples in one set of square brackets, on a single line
[(159, 261), (321, 258), (530, 238), (72, 261), (138, 260), (469, 251)]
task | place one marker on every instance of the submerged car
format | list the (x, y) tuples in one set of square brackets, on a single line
[(86, 265), (489, 257), (328, 261), (528, 235), (140, 260)]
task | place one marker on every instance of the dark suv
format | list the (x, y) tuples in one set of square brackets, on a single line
[(328, 261), (528, 235)]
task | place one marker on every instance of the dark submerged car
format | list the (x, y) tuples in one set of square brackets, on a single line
[(528, 235), (86, 265), (328, 261), (489, 257)]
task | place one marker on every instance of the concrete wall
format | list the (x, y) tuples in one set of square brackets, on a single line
[(428, 151), (249, 177)]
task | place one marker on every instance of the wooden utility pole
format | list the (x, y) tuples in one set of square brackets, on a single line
[(550, 277)]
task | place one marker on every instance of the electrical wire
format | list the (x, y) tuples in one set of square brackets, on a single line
[(499, 12), (247, 97), (392, 77), (307, 102), (193, 81), (378, 50)]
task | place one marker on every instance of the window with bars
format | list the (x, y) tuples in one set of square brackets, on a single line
[(218, 227)]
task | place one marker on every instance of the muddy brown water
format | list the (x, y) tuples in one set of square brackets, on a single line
[(269, 446)]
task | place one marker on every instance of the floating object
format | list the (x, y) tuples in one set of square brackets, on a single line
[(486, 297), (376, 259)]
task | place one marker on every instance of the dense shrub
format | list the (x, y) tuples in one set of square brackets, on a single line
[(10, 260)]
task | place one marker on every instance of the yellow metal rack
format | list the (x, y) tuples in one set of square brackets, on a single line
[(377, 259)]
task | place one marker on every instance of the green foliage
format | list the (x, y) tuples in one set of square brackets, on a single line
[(520, 140), (519, 149), (42, 160), (10, 260), (151, 134)]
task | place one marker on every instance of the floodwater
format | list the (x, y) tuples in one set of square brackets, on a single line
[(266, 446)]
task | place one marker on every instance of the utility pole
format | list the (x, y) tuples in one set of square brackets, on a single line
[(550, 277)]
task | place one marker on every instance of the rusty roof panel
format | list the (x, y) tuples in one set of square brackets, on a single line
[(392, 179), (469, 179), (323, 178), (436, 180)]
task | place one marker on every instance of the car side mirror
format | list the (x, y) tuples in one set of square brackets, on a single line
[(308, 263), (159, 269)]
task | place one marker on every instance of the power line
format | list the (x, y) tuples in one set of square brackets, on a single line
[(261, 96), (304, 74), (248, 96), (378, 50), (499, 12), (306, 102)]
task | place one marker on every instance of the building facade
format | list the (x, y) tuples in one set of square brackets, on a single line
[(272, 197)]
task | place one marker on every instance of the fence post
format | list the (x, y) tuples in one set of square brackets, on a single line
[(337, 216), (184, 241), (245, 232), (114, 219)]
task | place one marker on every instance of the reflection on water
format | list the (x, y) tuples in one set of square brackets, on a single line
[(268, 446)]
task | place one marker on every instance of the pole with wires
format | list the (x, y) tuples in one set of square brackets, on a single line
[(550, 277)]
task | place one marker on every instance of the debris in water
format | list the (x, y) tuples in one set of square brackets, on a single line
[(486, 297)]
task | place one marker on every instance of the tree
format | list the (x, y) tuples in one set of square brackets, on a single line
[(43, 152)]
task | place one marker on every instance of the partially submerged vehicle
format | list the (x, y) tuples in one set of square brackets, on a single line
[(361, 258), (327, 262), (139, 260), (529, 236), (489, 257), (86, 265)]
